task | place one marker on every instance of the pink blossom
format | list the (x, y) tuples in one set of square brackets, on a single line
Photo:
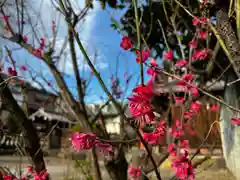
[(36, 176), (147, 118), (145, 55), (147, 90), (139, 102), (203, 35), (195, 107), (5, 18), (184, 143), (168, 56), (150, 70), (181, 63), (25, 38), (41, 176), (157, 135), (178, 124), (24, 68), (12, 71), (204, 20), (196, 21), (177, 129), (179, 100), (104, 148), (188, 115), (134, 172), (126, 43), (82, 141), (30, 169), (194, 91), (236, 121), (183, 168), (161, 128), (193, 44), (42, 44), (151, 138), (8, 177), (200, 54), (187, 77), (22, 82), (37, 52), (215, 108), (177, 133), (172, 149), (184, 152)]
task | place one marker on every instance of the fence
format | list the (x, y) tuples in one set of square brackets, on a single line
[(202, 123)]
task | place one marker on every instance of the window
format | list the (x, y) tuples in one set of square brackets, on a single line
[(41, 97)]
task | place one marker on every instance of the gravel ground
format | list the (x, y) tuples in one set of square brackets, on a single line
[(61, 169)]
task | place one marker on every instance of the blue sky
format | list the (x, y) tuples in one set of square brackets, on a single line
[(97, 36)]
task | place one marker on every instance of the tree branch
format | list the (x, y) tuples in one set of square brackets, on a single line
[(26, 125)]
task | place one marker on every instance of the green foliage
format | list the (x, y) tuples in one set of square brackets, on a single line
[(112, 3), (94, 126), (89, 3), (121, 6), (82, 163), (114, 24), (85, 168), (149, 128), (76, 128), (103, 4)]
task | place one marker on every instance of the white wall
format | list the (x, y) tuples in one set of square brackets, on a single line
[(230, 134)]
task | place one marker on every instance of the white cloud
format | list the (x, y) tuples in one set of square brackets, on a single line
[(65, 63), (42, 13), (85, 32), (94, 99)]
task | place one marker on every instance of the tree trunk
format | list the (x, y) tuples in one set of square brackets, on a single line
[(33, 146), (228, 35), (117, 169), (97, 171)]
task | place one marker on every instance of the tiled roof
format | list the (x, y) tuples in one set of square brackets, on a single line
[(213, 85), (48, 116)]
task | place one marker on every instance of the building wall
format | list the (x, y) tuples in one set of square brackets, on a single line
[(230, 133), (38, 99)]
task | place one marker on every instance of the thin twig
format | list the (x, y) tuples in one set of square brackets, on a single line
[(139, 45), (201, 90)]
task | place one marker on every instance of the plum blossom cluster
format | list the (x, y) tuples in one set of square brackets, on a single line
[(183, 166), (86, 141), (31, 174), (39, 51), (140, 106), (156, 137)]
